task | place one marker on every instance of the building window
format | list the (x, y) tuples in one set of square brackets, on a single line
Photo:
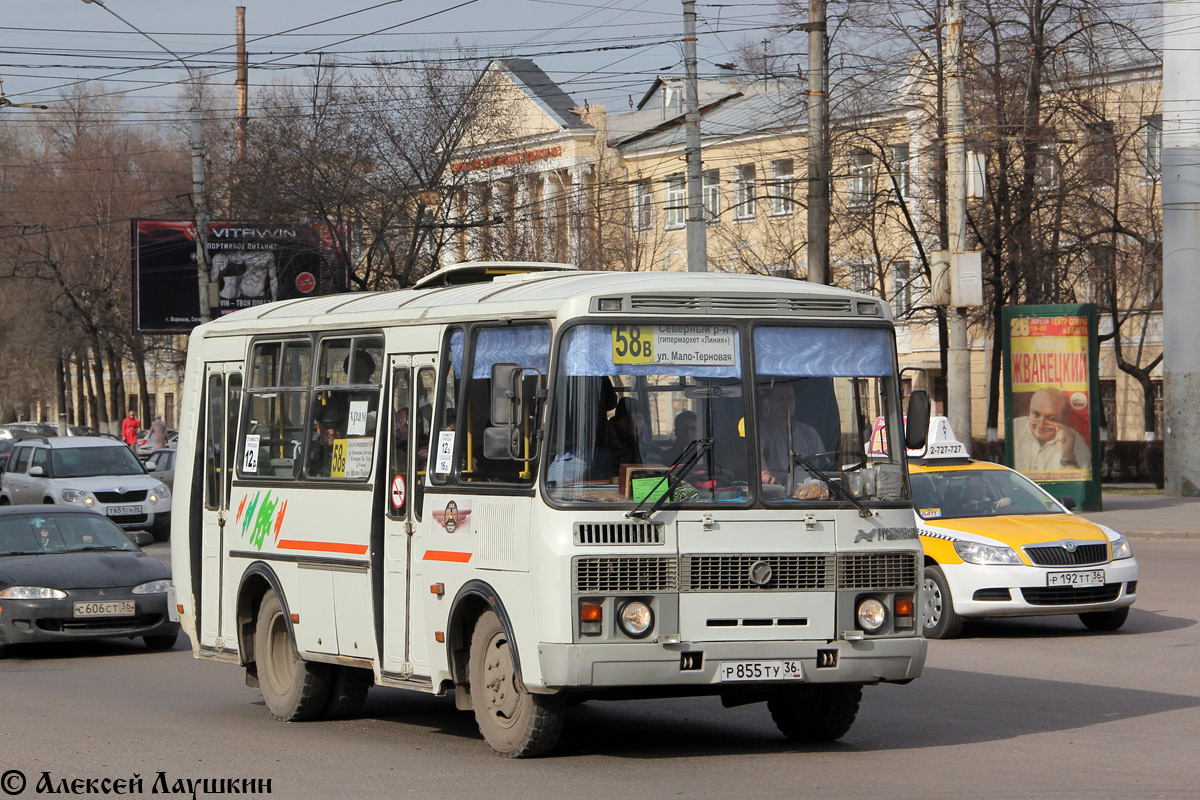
[(782, 183), (1154, 145), (712, 195), (901, 171), (676, 210), (861, 279), (1045, 174), (976, 174), (1158, 408), (1108, 407), (1100, 154), (745, 192), (862, 177), (901, 287), (169, 409), (643, 205)]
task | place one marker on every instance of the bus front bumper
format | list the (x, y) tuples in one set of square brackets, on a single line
[(697, 664)]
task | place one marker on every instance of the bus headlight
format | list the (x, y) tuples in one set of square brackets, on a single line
[(636, 619), (871, 614)]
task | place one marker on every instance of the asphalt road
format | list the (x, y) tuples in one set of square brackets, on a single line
[(1013, 709)]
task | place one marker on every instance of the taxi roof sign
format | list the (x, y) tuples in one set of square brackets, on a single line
[(941, 442)]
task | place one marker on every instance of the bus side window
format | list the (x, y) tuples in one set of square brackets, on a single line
[(426, 391), (341, 436), (442, 445), (402, 438), (272, 430)]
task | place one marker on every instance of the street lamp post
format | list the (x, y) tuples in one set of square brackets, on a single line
[(199, 193)]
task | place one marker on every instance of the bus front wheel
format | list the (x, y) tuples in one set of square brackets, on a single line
[(293, 689), (513, 721), (815, 712)]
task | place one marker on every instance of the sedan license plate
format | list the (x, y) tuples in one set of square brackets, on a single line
[(1091, 577), (120, 511), (759, 671), (105, 608)]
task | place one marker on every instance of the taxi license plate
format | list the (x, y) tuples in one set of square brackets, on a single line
[(1091, 577), (105, 608), (759, 671), (120, 511)]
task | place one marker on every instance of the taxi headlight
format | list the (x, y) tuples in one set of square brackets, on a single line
[(636, 619), (152, 587), (1121, 547), (975, 553), (78, 496), (32, 593), (871, 614)]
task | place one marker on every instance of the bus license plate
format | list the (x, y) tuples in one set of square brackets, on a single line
[(759, 671), (1092, 577), (120, 511), (106, 608)]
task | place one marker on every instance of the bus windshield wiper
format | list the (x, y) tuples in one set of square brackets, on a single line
[(834, 486), (687, 459)]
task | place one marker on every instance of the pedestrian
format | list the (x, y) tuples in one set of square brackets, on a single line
[(129, 428), (158, 433)]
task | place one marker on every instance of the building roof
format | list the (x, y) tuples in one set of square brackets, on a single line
[(530, 78)]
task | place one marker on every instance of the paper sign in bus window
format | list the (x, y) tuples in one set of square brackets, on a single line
[(357, 423), (445, 453), (250, 453)]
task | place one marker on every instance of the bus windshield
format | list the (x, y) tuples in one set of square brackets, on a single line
[(631, 401)]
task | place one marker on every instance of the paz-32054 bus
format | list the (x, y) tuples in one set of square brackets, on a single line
[(530, 484)]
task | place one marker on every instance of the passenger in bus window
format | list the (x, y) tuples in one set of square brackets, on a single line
[(630, 440), (687, 429)]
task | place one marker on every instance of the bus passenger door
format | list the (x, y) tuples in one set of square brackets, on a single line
[(222, 399), (409, 412)]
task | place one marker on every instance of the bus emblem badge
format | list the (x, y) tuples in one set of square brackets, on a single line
[(760, 573), (451, 517)]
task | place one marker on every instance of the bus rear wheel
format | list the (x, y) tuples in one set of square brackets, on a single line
[(815, 712), (513, 721), (293, 689)]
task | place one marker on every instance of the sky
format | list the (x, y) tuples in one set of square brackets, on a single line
[(600, 51)]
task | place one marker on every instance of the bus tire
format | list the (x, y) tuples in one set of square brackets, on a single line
[(1105, 620), (513, 721), (815, 712), (347, 692), (293, 689), (939, 619)]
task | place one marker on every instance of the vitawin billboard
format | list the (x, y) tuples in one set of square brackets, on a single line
[(251, 263)]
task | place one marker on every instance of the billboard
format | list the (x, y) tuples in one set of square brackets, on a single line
[(1051, 388), (251, 263)]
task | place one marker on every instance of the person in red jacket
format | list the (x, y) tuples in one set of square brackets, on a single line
[(129, 429)]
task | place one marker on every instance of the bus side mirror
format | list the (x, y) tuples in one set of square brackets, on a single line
[(501, 443), (505, 438), (916, 429), (507, 399)]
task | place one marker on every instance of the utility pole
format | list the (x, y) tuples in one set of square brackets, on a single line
[(697, 241), (818, 147), (242, 82), (958, 381), (1181, 242)]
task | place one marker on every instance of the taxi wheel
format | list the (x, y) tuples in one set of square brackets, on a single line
[(937, 607), (515, 722), (815, 712), (293, 689), (1105, 620)]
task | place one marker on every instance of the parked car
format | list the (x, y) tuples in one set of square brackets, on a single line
[(143, 447), (161, 464), (89, 471), (6, 446), (81, 430), (15, 430), (998, 545), (68, 574)]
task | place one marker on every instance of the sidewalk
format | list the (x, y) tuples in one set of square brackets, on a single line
[(1150, 515)]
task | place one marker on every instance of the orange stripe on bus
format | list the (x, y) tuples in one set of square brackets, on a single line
[(447, 555), (323, 547)]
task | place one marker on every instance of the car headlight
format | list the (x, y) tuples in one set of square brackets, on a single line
[(871, 614), (78, 496), (1121, 547), (152, 587), (159, 492), (636, 619), (975, 553), (31, 593)]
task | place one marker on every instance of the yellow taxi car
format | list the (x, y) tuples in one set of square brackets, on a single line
[(998, 545)]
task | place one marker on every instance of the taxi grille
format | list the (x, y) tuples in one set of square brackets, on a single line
[(731, 573), (877, 570), (1070, 596), (1059, 556), (612, 574), (117, 497)]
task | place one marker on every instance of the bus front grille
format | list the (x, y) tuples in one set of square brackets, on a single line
[(618, 533), (623, 574), (758, 573), (877, 570)]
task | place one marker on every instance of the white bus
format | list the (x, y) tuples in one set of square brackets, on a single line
[(531, 484)]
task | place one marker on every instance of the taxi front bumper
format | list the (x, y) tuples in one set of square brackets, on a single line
[(1021, 591)]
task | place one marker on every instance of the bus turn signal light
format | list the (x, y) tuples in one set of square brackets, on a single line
[(591, 617), (903, 608)]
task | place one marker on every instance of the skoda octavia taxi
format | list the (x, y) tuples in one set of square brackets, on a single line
[(998, 545)]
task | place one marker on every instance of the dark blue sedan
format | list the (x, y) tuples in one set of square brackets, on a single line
[(69, 573)]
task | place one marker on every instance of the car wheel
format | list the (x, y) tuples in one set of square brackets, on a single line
[(161, 533), (4, 501), (49, 501), (293, 689), (162, 641), (1105, 620), (937, 606), (347, 692), (815, 712), (513, 721)]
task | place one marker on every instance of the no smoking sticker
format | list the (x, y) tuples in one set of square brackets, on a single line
[(398, 491)]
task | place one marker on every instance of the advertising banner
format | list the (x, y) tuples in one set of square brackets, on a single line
[(1051, 388), (251, 263)]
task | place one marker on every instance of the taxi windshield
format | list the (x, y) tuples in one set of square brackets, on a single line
[(978, 493)]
